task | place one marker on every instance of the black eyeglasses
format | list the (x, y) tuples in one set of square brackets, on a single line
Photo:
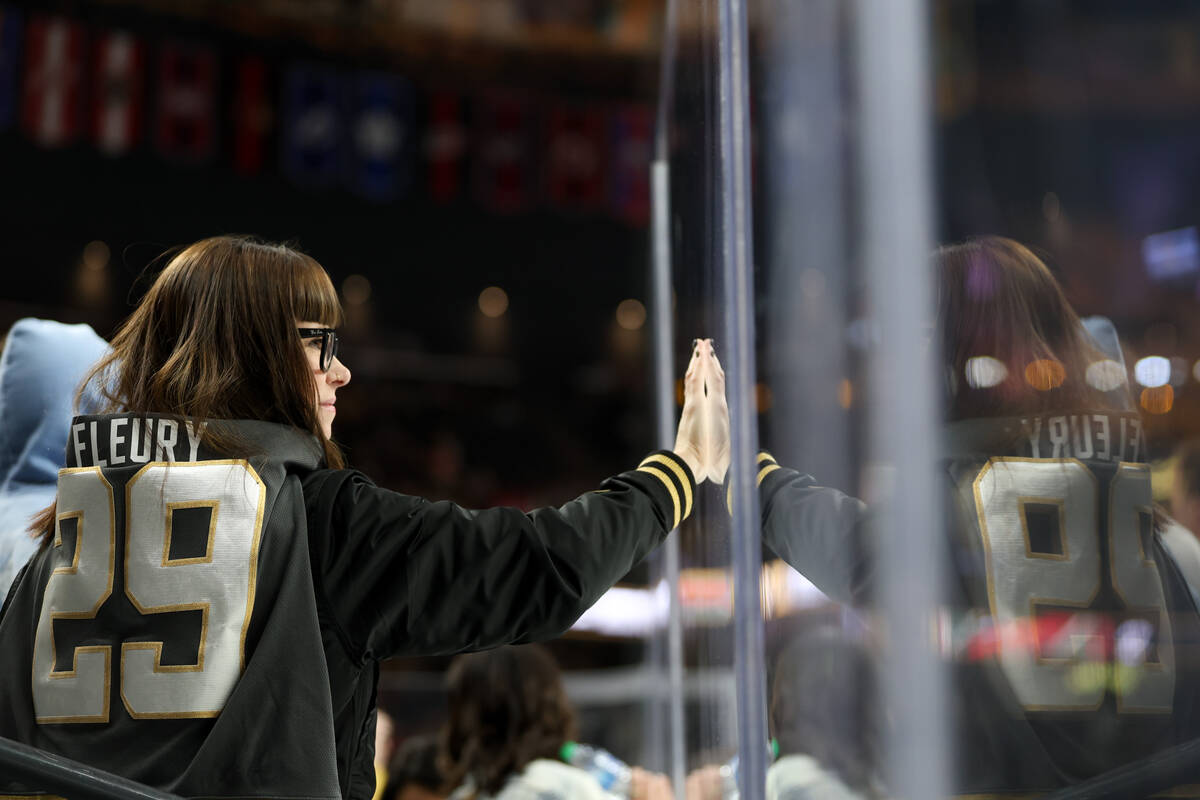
[(329, 344)]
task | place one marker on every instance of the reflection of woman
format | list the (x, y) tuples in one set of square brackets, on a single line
[(823, 714), (213, 594), (1054, 565)]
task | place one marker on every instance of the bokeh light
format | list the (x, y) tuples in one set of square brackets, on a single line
[(493, 301), (764, 398), (845, 393), (96, 255), (631, 314), (984, 372), (356, 289), (1045, 374), (1152, 371), (1106, 375), (1158, 399)]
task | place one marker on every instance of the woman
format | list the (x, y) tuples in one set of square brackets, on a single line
[(509, 722), (1067, 607), (214, 592)]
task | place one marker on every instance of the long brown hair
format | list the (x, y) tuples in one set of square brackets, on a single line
[(999, 301), (215, 338), (507, 708)]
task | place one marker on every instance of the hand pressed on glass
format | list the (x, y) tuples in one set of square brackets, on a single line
[(703, 436)]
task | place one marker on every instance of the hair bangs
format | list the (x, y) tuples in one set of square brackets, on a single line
[(313, 297)]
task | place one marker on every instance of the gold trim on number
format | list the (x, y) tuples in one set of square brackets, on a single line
[(103, 716)]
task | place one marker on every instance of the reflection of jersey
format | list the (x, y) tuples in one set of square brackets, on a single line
[(213, 626), (1072, 621)]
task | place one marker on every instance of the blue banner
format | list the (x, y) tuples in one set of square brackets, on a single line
[(382, 136), (313, 135)]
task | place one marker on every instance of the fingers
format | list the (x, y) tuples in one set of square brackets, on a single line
[(716, 378), (693, 379), (703, 385), (689, 437), (704, 784), (649, 786), (716, 446)]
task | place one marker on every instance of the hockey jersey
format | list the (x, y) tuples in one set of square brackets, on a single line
[(212, 626), (1072, 625)]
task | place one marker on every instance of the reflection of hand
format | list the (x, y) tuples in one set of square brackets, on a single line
[(704, 784), (716, 446), (649, 786), (689, 440)]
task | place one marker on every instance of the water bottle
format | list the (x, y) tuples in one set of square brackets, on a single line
[(610, 772), (729, 779), (729, 772)]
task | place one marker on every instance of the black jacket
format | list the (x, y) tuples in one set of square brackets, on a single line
[(1073, 634), (213, 626)]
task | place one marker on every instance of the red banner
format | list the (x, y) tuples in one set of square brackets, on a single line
[(118, 70), (186, 124), (575, 167), (253, 115), (633, 144), (51, 106), (445, 146), (503, 170)]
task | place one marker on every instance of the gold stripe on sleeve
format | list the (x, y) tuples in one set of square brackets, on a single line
[(666, 481), (765, 471), (765, 456), (683, 480)]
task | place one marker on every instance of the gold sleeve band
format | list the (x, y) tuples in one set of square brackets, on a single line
[(659, 458), (666, 481), (765, 471)]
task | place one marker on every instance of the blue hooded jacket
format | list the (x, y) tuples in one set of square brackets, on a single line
[(40, 369)]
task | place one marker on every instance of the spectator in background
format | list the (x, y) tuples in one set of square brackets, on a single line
[(824, 718), (1180, 535), (413, 772), (41, 365), (508, 723)]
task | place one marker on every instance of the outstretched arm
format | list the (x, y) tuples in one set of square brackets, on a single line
[(403, 575)]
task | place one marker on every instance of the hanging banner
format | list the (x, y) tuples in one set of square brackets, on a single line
[(312, 126), (632, 147), (445, 146), (52, 96), (10, 50), (118, 70), (382, 136), (186, 123), (253, 115), (575, 153), (361, 131), (503, 161)]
